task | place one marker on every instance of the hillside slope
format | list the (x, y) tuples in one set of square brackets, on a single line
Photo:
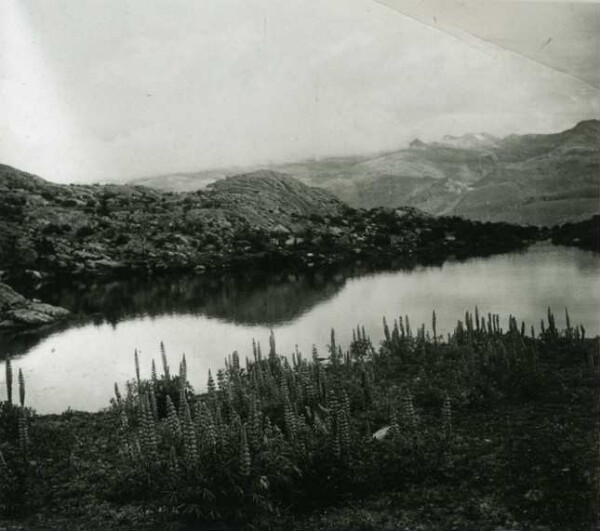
[(91, 227), (528, 179), (264, 219), (267, 199)]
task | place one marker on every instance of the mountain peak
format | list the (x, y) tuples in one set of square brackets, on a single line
[(468, 141), (417, 144)]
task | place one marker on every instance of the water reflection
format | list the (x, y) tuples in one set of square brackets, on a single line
[(248, 299), (251, 299), (209, 318)]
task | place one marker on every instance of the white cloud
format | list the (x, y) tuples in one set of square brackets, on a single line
[(135, 87)]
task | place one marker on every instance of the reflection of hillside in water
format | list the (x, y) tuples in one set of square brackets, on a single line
[(585, 261), (241, 300), (253, 298), (267, 299), (245, 300)]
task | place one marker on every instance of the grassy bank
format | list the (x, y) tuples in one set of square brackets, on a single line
[(483, 429)]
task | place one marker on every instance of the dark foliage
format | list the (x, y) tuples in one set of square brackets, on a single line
[(487, 428)]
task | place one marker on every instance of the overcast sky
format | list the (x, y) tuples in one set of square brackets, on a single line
[(102, 89)]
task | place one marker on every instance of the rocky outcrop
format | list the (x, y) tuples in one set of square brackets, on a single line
[(18, 311), (261, 220), (267, 199)]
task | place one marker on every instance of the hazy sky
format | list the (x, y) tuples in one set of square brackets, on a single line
[(98, 89)]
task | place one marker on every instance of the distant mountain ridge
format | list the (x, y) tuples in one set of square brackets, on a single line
[(541, 179)]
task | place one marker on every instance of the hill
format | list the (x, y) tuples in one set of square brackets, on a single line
[(545, 179), (79, 228), (265, 219), (267, 199)]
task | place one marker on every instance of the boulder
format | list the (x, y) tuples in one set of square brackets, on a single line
[(381, 433), (280, 230), (29, 317), (55, 312), (9, 298), (18, 311)]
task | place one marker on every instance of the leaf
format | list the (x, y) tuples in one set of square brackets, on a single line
[(207, 495)]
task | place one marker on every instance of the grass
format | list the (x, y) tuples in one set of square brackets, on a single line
[(486, 429)]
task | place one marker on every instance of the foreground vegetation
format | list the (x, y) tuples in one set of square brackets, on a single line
[(485, 428)]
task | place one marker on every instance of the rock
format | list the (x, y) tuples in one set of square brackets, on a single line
[(16, 310), (280, 230), (29, 316), (380, 434), (34, 275), (108, 264), (9, 298), (96, 247), (56, 312)]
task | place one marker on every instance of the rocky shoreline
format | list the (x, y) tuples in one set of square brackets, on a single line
[(16, 311), (262, 221), (583, 234)]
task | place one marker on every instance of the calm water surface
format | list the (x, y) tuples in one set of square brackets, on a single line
[(76, 365)]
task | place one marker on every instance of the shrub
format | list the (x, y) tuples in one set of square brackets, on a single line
[(15, 472)]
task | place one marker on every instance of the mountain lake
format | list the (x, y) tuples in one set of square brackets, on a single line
[(75, 364)]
